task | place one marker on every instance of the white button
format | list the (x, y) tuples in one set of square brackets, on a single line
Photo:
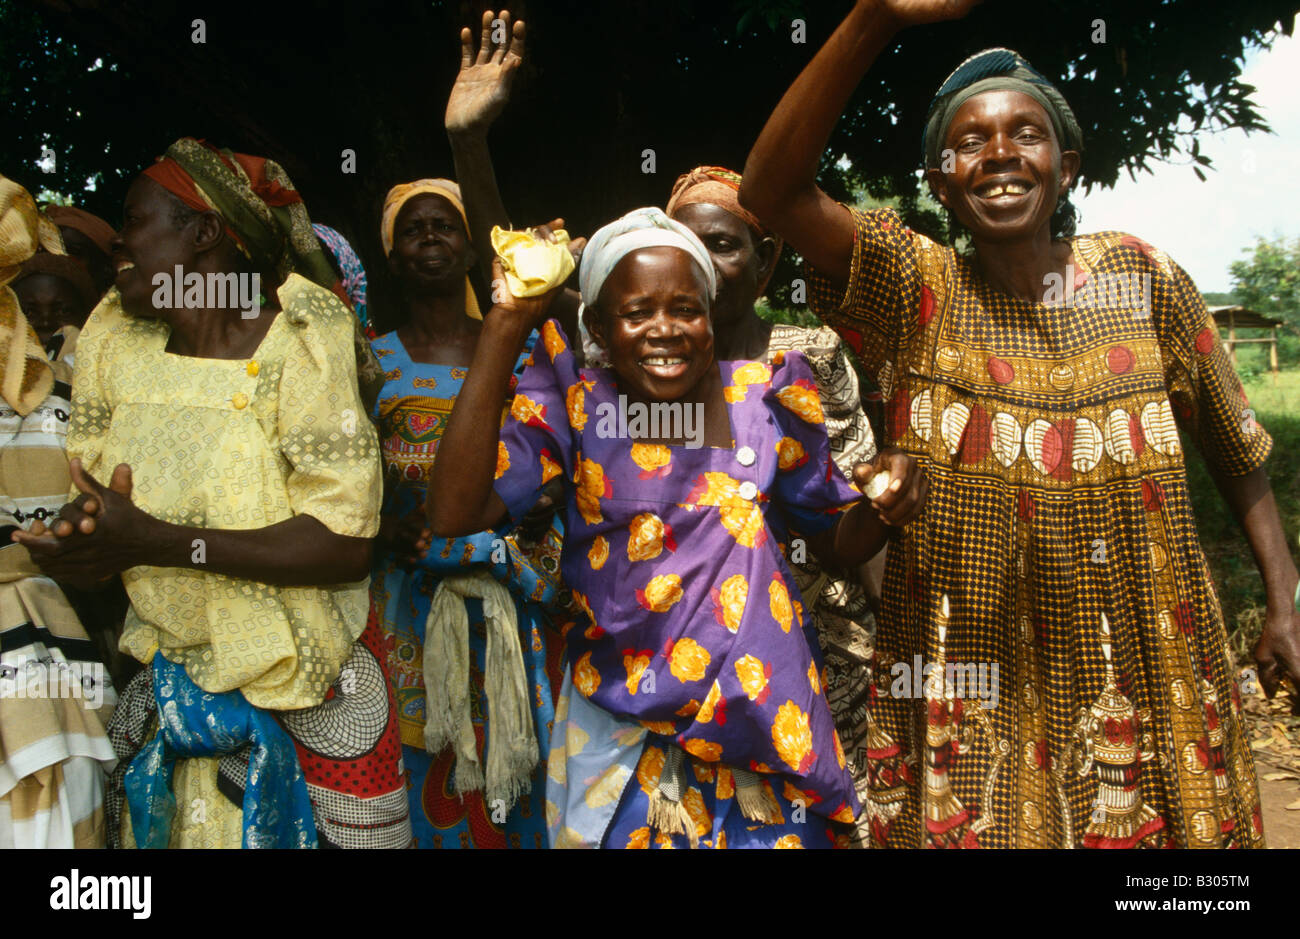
[(746, 456), (748, 490)]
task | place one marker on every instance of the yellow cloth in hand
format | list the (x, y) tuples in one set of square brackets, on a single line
[(533, 266)]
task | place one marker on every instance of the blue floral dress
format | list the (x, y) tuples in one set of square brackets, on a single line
[(412, 412)]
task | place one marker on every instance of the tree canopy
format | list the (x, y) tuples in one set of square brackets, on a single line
[(107, 86), (1269, 280)]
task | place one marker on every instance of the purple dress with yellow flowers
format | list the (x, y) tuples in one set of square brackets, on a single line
[(695, 637)]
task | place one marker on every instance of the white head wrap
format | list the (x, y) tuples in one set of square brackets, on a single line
[(641, 228)]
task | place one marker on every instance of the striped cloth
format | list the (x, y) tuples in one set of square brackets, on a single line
[(55, 695)]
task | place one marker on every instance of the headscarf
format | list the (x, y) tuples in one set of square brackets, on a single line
[(353, 271), (640, 228), (26, 376), (265, 216), (717, 185), (92, 226), (996, 70), (403, 193), (66, 268), (257, 201)]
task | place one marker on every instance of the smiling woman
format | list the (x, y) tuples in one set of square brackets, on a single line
[(1058, 543), (246, 599), (708, 706)]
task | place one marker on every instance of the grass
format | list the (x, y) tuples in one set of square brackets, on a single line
[(1241, 591)]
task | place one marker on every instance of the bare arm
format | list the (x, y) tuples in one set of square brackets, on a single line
[(862, 531), (477, 99), (461, 498), (103, 533), (780, 178), (1251, 499)]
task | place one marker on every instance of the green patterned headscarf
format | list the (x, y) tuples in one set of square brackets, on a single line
[(262, 210), (267, 220)]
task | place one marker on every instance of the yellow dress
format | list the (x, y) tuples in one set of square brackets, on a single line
[(234, 444)]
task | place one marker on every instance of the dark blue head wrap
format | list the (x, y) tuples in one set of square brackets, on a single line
[(996, 70)]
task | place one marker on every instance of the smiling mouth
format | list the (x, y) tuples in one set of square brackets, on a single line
[(124, 266), (1003, 188), (665, 366)]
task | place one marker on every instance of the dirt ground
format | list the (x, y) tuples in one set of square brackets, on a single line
[(1275, 740)]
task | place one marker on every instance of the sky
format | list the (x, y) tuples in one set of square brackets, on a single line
[(1252, 190)]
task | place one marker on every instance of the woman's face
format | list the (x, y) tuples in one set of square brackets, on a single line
[(148, 244), (743, 264), (653, 321), (49, 303), (430, 246), (1008, 171)]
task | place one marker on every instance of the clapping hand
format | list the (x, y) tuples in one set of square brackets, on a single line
[(99, 534)]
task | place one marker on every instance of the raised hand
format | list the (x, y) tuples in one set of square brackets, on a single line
[(483, 86), (916, 12)]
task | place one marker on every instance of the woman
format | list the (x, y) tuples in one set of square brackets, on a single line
[(690, 674), (1058, 523), (55, 698), (56, 294), (472, 728), (244, 495), (706, 200), (54, 291)]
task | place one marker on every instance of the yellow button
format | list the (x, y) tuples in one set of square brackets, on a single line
[(239, 400), (252, 368)]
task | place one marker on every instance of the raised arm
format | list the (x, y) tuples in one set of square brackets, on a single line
[(780, 178), (477, 99), (461, 498)]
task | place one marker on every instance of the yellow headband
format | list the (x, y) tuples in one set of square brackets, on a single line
[(403, 193)]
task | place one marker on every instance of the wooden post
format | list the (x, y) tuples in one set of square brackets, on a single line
[(1272, 355), (1232, 337)]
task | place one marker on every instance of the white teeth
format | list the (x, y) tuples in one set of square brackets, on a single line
[(662, 361), (125, 266)]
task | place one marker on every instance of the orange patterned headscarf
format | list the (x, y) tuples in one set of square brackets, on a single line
[(717, 185)]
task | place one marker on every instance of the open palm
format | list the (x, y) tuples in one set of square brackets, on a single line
[(916, 12), (483, 86)]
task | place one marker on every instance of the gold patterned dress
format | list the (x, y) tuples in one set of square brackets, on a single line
[(1051, 665)]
